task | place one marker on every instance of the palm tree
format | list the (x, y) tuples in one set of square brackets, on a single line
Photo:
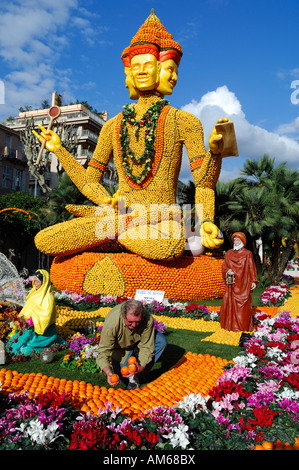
[(253, 211), (263, 203), (65, 193)]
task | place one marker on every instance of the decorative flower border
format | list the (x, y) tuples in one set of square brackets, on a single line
[(238, 403)]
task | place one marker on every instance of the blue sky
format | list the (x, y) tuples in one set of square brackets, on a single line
[(240, 59)]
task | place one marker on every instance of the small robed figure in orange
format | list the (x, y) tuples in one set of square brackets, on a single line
[(239, 273)]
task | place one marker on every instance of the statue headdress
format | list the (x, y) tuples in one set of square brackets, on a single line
[(125, 57), (153, 38)]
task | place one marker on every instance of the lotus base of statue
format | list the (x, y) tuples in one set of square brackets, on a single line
[(187, 278)]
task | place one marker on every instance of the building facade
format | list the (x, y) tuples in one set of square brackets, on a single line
[(80, 121), (14, 173)]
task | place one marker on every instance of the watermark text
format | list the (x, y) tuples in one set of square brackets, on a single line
[(2, 92), (295, 94), (152, 221)]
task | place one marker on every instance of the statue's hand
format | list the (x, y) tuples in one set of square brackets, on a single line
[(211, 235), (215, 138), (111, 200), (52, 139), (114, 200), (106, 200)]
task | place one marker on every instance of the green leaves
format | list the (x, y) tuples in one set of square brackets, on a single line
[(263, 203)]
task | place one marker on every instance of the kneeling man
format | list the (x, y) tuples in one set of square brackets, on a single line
[(129, 330)]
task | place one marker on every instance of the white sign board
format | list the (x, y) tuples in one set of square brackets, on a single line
[(149, 295)]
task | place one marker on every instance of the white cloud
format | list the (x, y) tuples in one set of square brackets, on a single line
[(253, 141), (29, 28), (34, 34), (289, 128)]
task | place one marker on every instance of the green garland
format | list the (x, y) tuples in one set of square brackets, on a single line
[(149, 120)]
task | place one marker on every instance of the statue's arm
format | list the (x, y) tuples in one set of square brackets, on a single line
[(97, 166), (205, 165), (87, 180)]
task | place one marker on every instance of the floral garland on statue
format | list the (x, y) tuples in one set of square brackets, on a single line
[(149, 120)]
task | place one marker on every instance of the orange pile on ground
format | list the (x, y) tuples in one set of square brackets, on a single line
[(193, 373), (278, 445)]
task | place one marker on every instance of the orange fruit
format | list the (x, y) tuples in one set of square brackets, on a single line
[(268, 445), (85, 408), (132, 368), (114, 378), (124, 370), (132, 360), (259, 447)]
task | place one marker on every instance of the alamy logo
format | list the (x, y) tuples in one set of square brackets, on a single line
[(295, 94), (139, 221), (2, 92)]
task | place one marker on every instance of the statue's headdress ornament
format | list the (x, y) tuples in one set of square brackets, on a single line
[(152, 38), (125, 57)]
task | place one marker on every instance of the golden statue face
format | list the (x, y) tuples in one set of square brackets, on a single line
[(133, 92), (145, 70), (168, 77)]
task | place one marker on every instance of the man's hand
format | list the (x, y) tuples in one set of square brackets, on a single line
[(215, 138), (108, 372), (137, 371), (52, 139)]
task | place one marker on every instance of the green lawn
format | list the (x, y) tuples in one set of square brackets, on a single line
[(179, 343)]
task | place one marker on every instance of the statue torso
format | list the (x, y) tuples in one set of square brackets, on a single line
[(159, 186)]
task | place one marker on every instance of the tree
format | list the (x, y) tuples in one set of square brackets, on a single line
[(264, 204), (18, 228), (69, 140), (65, 193), (31, 150), (45, 104)]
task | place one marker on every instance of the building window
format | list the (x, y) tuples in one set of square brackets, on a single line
[(7, 142), (6, 177), (18, 180)]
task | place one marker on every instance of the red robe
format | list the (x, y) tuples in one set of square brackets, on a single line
[(235, 311)]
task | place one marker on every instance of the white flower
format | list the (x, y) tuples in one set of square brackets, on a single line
[(214, 315), (276, 353), (41, 435), (288, 393), (178, 305), (179, 436), (192, 403), (245, 361), (22, 427)]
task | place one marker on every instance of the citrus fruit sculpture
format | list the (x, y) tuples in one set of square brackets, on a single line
[(137, 237)]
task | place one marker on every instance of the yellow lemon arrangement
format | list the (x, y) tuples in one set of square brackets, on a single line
[(146, 142)]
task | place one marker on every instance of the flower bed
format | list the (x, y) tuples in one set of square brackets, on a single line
[(275, 295), (203, 402), (256, 399)]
